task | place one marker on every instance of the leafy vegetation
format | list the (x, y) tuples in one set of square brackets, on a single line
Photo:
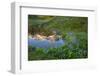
[(73, 30)]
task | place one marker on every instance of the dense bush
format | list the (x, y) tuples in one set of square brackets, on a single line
[(71, 50)]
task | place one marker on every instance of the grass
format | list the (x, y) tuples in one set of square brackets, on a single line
[(78, 50), (74, 31)]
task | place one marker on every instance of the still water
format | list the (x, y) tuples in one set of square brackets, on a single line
[(45, 43)]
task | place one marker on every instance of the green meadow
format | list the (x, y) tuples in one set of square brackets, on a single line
[(57, 37)]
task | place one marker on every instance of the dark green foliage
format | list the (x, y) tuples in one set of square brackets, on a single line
[(73, 30), (38, 24), (31, 48), (63, 52)]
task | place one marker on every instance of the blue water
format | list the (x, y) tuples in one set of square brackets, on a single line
[(45, 43), (48, 44)]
